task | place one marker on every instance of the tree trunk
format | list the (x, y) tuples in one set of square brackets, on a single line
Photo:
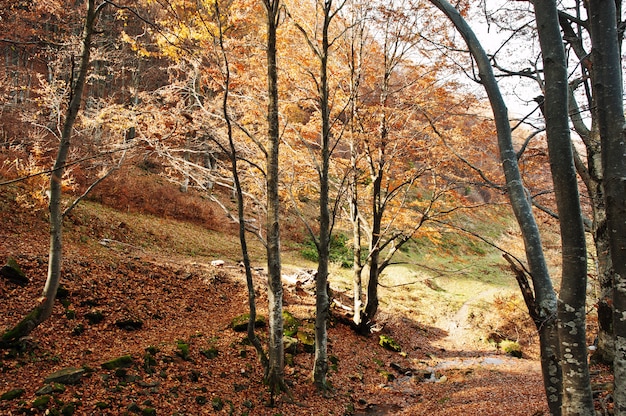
[(591, 175), (276, 373), (545, 296), (371, 307), (44, 309), (577, 397), (321, 292), (357, 265), (254, 340), (608, 91)]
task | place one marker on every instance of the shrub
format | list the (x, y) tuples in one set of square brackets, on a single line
[(339, 252)]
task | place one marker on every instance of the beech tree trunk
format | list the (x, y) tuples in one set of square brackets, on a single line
[(608, 90), (322, 300), (43, 311), (276, 373), (577, 397), (254, 340), (544, 305), (356, 48), (357, 265), (592, 176)]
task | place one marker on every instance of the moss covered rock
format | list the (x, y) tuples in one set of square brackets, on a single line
[(290, 324), (512, 348), (389, 343), (240, 323), (69, 375), (119, 362), (13, 273), (12, 394)]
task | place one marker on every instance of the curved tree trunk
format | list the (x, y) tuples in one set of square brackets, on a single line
[(43, 311), (545, 303)]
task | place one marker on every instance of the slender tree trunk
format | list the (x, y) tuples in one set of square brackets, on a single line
[(591, 174), (605, 352), (544, 294), (356, 53), (608, 90), (44, 309), (371, 307), (254, 340), (322, 300), (276, 372), (357, 265)]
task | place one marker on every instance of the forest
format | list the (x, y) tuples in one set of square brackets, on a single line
[(325, 207)]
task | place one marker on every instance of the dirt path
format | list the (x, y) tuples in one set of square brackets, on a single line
[(461, 332)]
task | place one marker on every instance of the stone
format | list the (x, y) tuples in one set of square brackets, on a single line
[(12, 394), (69, 375), (120, 362), (389, 343), (240, 323), (50, 388), (13, 273)]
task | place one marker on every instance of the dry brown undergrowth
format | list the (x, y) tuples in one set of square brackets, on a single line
[(181, 300)]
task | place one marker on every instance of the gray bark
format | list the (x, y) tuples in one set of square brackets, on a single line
[(577, 398), (356, 53), (608, 90), (321, 292), (276, 373), (544, 308), (592, 175)]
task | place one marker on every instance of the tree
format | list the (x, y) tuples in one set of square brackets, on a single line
[(608, 90), (241, 218), (542, 302), (275, 377), (43, 311), (327, 143), (395, 185), (576, 390)]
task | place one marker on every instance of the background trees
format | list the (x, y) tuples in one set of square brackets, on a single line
[(75, 97)]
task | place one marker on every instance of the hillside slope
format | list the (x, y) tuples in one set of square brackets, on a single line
[(144, 287)]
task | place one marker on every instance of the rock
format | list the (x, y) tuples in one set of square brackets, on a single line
[(12, 394), (69, 375), (290, 345), (50, 388), (512, 348), (307, 340), (129, 324), (389, 343), (41, 402), (210, 353), (13, 273), (290, 324), (94, 317), (387, 376), (240, 323), (120, 362), (217, 263)]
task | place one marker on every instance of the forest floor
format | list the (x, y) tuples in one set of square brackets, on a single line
[(171, 313)]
